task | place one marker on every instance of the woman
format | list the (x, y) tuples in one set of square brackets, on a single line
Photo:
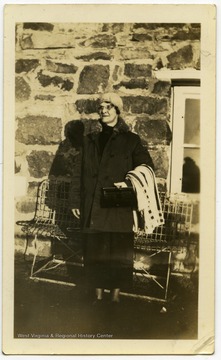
[(108, 235)]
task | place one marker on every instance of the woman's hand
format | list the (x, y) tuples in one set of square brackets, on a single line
[(76, 213)]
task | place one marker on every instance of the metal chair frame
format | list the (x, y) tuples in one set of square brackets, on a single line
[(53, 220)]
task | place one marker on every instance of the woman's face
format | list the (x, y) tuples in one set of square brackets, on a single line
[(108, 113)]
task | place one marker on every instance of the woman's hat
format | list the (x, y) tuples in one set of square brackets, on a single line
[(114, 99)]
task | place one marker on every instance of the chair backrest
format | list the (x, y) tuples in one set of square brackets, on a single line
[(178, 212), (52, 206)]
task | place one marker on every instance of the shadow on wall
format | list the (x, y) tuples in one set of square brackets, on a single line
[(191, 176), (68, 150), (65, 163)]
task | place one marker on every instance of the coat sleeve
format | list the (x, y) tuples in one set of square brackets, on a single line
[(75, 186), (141, 155)]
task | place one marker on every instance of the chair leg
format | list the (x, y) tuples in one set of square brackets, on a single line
[(35, 243), (168, 275), (26, 245)]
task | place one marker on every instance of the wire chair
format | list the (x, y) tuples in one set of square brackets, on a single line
[(53, 220)]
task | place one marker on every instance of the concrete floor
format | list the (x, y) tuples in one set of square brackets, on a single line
[(48, 309)]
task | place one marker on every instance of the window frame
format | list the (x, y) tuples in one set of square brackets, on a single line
[(180, 92)]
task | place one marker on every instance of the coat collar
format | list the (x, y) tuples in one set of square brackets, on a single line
[(120, 127)]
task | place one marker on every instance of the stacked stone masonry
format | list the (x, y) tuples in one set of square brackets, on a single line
[(62, 68)]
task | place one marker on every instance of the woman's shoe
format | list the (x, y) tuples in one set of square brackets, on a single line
[(115, 298)]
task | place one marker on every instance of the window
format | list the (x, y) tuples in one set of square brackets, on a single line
[(185, 157)]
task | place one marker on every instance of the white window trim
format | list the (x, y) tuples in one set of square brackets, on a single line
[(177, 146), (168, 75)]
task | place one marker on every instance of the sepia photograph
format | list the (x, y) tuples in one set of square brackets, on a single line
[(109, 132)]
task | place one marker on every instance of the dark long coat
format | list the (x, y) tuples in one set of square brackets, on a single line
[(122, 153)]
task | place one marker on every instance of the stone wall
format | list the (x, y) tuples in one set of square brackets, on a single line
[(61, 69)]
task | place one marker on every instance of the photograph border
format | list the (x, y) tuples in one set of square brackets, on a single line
[(206, 14)]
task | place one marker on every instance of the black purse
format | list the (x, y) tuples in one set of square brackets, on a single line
[(112, 197)]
